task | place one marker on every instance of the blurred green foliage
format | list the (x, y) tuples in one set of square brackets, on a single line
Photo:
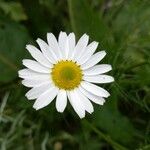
[(122, 27)]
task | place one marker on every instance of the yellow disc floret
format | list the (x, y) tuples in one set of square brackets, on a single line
[(66, 75)]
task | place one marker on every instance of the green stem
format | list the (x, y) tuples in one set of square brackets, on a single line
[(71, 16), (107, 138), (8, 63), (131, 67), (147, 147), (136, 65)]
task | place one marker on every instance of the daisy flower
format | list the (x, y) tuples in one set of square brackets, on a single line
[(66, 70)]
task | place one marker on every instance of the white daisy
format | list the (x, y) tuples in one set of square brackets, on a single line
[(64, 69)]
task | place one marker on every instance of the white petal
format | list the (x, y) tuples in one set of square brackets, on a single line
[(29, 74), (46, 98), (61, 101), (76, 103), (52, 42), (34, 83), (37, 55), (63, 44), (80, 47), (90, 49), (66, 48), (37, 91), (35, 66), (46, 50), (98, 69), (96, 90), (72, 42), (92, 97), (99, 79), (87, 104), (94, 60)]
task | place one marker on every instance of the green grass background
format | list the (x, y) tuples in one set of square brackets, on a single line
[(122, 27)]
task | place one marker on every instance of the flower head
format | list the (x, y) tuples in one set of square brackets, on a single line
[(66, 70)]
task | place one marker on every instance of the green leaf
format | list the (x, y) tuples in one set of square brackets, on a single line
[(41, 17), (85, 20), (14, 9), (13, 38), (110, 120), (132, 32)]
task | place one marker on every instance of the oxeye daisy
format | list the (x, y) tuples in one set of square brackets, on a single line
[(66, 70)]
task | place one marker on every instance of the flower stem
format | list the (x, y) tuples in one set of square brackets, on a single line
[(136, 65), (107, 138)]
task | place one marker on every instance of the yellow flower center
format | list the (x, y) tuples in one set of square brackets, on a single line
[(66, 75)]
